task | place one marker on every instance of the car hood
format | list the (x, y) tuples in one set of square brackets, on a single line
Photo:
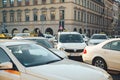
[(73, 45), (67, 70), (59, 52)]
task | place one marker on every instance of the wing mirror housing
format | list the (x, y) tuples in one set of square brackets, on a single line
[(6, 65)]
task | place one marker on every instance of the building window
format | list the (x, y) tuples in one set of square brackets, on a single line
[(35, 15), (43, 1), (84, 16), (78, 15), (74, 15), (62, 12), (11, 3), (52, 15), (27, 17), (62, 1), (19, 16), (27, 2), (11, 16), (43, 16), (4, 3), (52, 1), (19, 2), (35, 2), (4, 16)]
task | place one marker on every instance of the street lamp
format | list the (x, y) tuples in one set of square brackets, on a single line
[(86, 17)]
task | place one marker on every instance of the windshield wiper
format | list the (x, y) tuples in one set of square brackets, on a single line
[(52, 61)]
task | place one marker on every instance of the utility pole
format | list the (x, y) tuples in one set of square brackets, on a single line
[(86, 18)]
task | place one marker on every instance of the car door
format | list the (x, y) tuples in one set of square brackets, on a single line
[(112, 51), (7, 74)]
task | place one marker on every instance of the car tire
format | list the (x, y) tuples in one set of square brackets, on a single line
[(99, 62)]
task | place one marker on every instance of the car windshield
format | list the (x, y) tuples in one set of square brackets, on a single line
[(99, 37), (71, 38), (43, 42), (33, 54)]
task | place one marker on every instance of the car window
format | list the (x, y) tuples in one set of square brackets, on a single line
[(115, 45), (83, 36), (69, 38), (32, 54), (43, 42), (99, 37), (3, 56), (106, 46)]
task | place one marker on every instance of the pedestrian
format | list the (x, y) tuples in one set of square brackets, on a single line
[(40, 34)]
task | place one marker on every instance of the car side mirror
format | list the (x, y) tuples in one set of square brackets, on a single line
[(6, 65), (55, 42)]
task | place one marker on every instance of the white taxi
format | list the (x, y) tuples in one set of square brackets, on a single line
[(105, 55), (20, 60)]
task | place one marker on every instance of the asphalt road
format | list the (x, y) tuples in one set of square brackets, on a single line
[(114, 75)]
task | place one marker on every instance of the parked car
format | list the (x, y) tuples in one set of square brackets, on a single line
[(97, 38), (49, 36), (105, 55), (44, 42), (71, 42), (20, 60), (20, 35), (5, 36), (85, 38)]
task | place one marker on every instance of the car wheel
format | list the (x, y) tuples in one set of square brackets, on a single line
[(99, 62)]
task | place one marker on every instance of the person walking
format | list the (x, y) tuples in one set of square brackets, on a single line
[(40, 33)]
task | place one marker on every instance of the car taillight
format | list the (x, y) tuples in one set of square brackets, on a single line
[(84, 51)]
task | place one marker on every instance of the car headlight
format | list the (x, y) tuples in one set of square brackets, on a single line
[(62, 49), (90, 43)]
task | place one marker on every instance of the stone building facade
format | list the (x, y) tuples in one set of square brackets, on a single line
[(50, 16)]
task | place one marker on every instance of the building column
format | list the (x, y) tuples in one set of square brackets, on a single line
[(23, 15), (39, 1), (31, 2), (39, 13), (15, 16), (15, 2), (48, 15), (1, 16), (57, 1), (8, 3), (8, 16), (47, 1), (31, 15), (23, 2), (57, 11)]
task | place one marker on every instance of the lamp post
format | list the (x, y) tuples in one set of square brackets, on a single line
[(43, 19), (86, 18)]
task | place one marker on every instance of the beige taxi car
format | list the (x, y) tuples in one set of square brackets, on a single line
[(105, 55), (24, 60)]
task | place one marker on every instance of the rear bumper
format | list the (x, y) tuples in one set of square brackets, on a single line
[(86, 59)]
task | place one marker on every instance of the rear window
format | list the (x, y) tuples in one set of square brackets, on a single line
[(99, 37), (71, 38)]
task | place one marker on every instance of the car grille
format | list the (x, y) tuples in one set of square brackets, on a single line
[(72, 50)]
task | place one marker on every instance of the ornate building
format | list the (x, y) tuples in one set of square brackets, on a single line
[(50, 16)]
